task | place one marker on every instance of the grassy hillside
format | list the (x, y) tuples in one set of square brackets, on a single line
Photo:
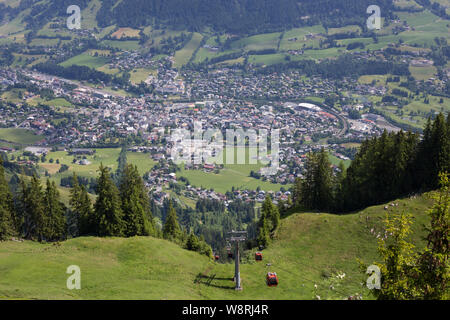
[(21, 136), (310, 249)]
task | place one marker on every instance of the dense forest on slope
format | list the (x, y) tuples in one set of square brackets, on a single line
[(243, 16), (233, 16)]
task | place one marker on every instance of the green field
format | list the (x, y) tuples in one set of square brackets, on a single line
[(346, 29), (309, 249), (59, 104), (236, 175), (107, 156), (232, 175), (336, 161), (20, 136), (258, 42), (267, 59), (87, 60), (184, 55), (139, 75), (204, 53), (128, 45), (303, 38), (423, 73)]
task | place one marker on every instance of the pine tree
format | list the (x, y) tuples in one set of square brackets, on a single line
[(121, 164), (271, 214), (317, 186), (263, 232), (434, 153), (171, 229), (54, 214), (7, 223), (338, 187), (108, 211), (440, 151), (135, 203), (192, 242), (297, 193), (82, 208), (34, 207)]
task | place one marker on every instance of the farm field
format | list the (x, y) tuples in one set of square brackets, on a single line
[(124, 45), (107, 156), (309, 250), (204, 53), (295, 39), (124, 33), (423, 73), (59, 104), (184, 55), (86, 59), (20, 136), (258, 42), (267, 59), (237, 176), (141, 74)]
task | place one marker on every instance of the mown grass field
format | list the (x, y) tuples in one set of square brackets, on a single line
[(124, 45), (184, 55), (20, 136), (295, 39), (423, 73), (309, 249), (258, 42), (141, 74), (237, 176), (86, 59), (236, 173), (107, 156)]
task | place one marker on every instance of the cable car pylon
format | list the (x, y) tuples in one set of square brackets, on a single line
[(236, 237)]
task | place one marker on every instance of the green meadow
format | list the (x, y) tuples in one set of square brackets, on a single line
[(308, 252), (87, 60), (107, 156), (184, 55), (20, 136), (234, 174), (258, 42)]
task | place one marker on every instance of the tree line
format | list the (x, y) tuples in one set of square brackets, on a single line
[(343, 66), (384, 168), (237, 17), (36, 213)]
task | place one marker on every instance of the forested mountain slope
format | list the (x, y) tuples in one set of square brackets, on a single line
[(235, 16)]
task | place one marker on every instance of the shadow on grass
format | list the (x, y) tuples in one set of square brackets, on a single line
[(207, 280)]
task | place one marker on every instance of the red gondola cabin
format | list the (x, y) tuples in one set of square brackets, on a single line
[(272, 279), (258, 256), (216, 257)]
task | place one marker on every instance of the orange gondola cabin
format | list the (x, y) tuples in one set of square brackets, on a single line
[(272, 279), (258, 256)]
